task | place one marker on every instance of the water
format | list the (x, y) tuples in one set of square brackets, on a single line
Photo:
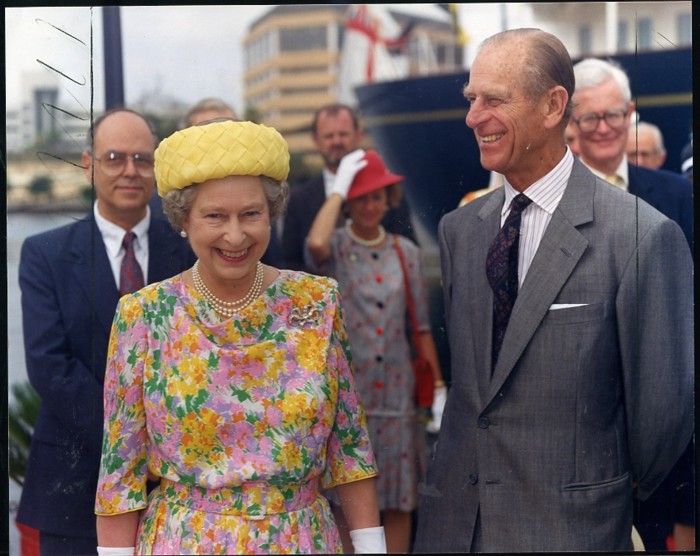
[(20, 226)]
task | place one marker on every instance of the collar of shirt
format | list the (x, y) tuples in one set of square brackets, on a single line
[(328, 180), (622, 171), (545, 192), (113, 235)]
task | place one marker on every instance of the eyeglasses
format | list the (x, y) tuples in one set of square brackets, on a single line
[(114, 162), (589, 122)]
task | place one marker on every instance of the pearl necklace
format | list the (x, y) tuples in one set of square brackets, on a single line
[(229, 308), (366, 242)]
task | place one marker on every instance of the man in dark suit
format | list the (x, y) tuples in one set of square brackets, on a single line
[(569, 315), (71, 278), (603, 108), (336, 133)]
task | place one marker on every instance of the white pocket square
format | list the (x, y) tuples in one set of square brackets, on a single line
[(557, 306)]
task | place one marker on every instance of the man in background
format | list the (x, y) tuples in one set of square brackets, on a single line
[(71, 279), (645, 146), (602, 114), (336, 133), (208, 109)]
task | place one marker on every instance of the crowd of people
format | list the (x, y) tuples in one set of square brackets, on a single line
[(225, 361)]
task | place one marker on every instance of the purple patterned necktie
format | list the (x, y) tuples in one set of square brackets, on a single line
[(502, 272), (130, 274)]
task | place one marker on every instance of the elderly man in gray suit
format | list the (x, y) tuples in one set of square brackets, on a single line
[(569, 313)]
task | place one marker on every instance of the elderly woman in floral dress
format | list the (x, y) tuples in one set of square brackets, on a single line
[(231, 382)]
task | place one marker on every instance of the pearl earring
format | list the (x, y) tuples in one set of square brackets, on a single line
[(183, 233)]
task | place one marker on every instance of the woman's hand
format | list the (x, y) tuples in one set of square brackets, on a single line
[(439, 399), (348, 168), (116, 534)]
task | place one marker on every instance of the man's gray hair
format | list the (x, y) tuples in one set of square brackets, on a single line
[(639, 127), (212, 104), (591, 72), (549, 63)]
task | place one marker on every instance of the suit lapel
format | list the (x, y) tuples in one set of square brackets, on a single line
[(557, 255), (87, 265)]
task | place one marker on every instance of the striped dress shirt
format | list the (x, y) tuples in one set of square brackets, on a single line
[(545, 194)]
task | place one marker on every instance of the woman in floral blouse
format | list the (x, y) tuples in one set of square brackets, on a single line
[(231, 382)]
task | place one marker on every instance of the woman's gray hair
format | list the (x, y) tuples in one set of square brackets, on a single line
[(591, 72), (178, 202)]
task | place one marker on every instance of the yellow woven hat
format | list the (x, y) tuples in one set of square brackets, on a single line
[(219, 149)]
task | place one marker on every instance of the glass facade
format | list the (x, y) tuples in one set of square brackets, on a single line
[(303, 38)]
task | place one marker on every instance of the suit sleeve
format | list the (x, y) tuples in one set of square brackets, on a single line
[(68, 388), (655, 327)]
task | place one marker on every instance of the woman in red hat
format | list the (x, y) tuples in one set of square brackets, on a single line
[(364, 259)]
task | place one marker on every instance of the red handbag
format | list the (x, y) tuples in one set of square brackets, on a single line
[(425, 379)]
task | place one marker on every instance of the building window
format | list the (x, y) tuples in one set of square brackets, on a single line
[(684, 24), (303, 90), (341, 37), (303, 38), (296, 70), (623, 31), (584, 39), (644, 33)]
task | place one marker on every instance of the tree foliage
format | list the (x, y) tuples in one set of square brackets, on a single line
[(41, 185), (22, 415)]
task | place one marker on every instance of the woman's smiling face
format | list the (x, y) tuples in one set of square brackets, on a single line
[(228, 226)]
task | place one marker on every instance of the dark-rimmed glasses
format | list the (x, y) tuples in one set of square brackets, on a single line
[(589, 122), (113, 163)]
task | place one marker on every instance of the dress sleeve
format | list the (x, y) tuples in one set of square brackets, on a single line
[(328, 267), (415, 277), (121, 486), (349, 454)]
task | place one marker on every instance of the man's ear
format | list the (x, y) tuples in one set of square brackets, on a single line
[(86, 163), (553, 106)]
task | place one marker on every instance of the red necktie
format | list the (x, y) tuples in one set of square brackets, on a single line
[(502, 272), (130, 274)]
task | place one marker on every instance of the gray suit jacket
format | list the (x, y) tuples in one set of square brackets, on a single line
[(584, 401)]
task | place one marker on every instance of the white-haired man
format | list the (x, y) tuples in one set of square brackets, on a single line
[(603, 108), (645, 146)]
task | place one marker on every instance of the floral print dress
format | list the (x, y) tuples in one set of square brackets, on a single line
[(243, 420), (374, 304)]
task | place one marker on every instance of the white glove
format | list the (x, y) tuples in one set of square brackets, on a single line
[(369, 540), (115, 551), (348, 168), (439, 399)]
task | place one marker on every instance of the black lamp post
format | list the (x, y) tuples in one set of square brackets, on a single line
[(114, 74)]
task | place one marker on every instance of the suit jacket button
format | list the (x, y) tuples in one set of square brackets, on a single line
[(473, 478), (484, 422)]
